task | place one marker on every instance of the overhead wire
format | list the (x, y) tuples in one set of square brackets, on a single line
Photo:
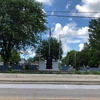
[(70, 12), (72, 16), (63, 11)]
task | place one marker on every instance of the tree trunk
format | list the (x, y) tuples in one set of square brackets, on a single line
[(6, 58), (6, 62)]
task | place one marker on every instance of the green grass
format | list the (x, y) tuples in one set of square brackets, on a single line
[(96, 72), (86, 72), (79, 72), (50, 72), (7, 71)]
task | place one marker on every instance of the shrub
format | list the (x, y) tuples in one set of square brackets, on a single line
[(86, 72), (7, 71), (23, 71), (78, 72), (96, 72), (13, 71)]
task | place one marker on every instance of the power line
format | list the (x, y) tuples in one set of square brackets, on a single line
[(70, 11), (72, 16)]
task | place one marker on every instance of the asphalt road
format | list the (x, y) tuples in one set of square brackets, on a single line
[(49, 91)]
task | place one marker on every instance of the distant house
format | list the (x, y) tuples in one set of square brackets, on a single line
[(1, 63), (23, 61), (31, 63)]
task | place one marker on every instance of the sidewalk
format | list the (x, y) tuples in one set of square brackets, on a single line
[(50, 79)]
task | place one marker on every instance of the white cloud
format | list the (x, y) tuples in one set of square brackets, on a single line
[(89, 6), (81, 46), (73, 41), (47, 2), (70, 34), (67, 6), (70, 30), (66, 49), (83, 31)]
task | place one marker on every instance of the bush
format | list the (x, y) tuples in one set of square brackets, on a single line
[(58, 73), (13, 71), (86, 72), (78, 72), (7, 71), (23, 71), (96, 72)]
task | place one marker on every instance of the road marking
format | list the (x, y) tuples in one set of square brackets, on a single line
[(50, 99), (66, 86)]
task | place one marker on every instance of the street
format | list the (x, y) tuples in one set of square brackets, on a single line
[(49, 91)]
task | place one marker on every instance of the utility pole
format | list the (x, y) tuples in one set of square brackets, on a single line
[(59, 48), (40, 50), (49, 39), (75, 59)]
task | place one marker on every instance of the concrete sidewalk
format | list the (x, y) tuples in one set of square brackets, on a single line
[(50, 79)]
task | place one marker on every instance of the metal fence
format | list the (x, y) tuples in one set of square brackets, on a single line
[(67, 68), (18, 67), (82, 69), (2, 68), (35, 67)]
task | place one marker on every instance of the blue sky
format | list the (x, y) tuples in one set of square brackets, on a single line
[(73, 31)]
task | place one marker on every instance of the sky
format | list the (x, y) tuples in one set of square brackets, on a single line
[(73, 30)]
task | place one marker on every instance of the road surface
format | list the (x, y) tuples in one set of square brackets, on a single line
[(30, 91)]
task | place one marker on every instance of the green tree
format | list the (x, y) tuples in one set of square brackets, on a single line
[(70, 58), (43, 49), (15, 57), (94, 56), (83, 56), (36, 58), (94, 34), (63, 61), (20, 23), (94, 41), (86, 46)]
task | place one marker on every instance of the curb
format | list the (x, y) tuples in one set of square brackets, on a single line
[(8, 75), (45, 81), (50, 79)]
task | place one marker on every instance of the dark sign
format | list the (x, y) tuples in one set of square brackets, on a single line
[(49, 62)]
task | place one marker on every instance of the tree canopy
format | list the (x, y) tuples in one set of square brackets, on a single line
[(20, 23), (78, 58), (94, 41), (14, 58), (69, 59), (36, 58), (94, 34), (43, 49)]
